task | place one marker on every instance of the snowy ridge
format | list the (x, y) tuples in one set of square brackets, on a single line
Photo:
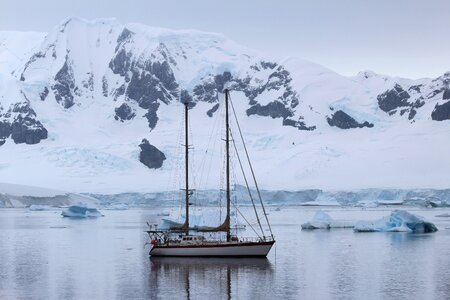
[(79, 102)]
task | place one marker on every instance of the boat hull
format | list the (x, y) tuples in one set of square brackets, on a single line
[(251, 249)]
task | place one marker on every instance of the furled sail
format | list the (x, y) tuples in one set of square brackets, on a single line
[(180, 227), (225, 227)]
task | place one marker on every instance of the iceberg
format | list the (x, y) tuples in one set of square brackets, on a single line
[(322, 220), (397, 221), (81, 211)]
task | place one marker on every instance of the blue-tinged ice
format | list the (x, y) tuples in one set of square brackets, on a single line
[(322, 220), (81, 211), (397, 221)]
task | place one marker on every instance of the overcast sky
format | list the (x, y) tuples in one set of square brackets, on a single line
[(408, 38)]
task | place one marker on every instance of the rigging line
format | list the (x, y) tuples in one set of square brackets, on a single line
[(246, 183), (210, 148), (251, 168), (249, 224)]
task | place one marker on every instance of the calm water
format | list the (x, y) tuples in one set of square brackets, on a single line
[(45, 256)]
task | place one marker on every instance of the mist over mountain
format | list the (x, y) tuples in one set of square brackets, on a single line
[(95, 106)]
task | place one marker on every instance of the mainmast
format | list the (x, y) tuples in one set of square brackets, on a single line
[(225, 226), (227, 141), (186, 147)]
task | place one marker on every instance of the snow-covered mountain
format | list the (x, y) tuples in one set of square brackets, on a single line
[(94, 106)]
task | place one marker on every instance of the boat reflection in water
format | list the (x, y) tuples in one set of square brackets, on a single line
[(213, 278)]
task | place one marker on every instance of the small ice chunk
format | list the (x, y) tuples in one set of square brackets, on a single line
[(322, 220), (445, 215), (397, 221), (81, 211)]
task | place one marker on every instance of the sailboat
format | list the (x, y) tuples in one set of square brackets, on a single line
[(181, 241)]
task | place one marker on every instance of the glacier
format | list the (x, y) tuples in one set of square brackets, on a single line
[(87, 93), (397, 221)]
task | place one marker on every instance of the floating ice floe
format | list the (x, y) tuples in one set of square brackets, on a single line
[(81, 211), (321, 203), (397, 221), (322, 220), (117, 206), (37, 207), (445, 215), (163, 214)]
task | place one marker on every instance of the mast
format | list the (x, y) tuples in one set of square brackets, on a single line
[(227, 142), (186, 147), (225, 226)]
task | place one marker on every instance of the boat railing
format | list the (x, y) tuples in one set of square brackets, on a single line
[(256, 239)]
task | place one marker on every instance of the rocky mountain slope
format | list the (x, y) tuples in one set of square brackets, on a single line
[(95, 106)]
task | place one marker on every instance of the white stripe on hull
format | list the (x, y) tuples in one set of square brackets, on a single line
[(217, 251)]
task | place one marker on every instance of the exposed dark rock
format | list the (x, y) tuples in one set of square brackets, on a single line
[(23, 108), (89, 83), (155, 82), (124, 112), (2, 142), (121, 62), (415, 88), (44, 94), (274, 109), (220, 80), (300, 125), (342, 120), (104, 87), (394, 98), (435, 92), (119, 92), (5, 129), (24, 128), (32, 59), (64, 86), (150, 155), (446, 94), (441, 112), (152, 116), (206, 92), (27, 130), (268, 65), (125, 36), (211, 112), (185, 97), (412, 114)]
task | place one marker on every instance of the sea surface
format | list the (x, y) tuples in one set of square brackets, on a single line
[(46, 256)]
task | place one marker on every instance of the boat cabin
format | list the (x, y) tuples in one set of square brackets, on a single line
[(192, 239)]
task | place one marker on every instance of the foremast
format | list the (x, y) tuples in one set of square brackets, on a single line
[(185, 226)]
